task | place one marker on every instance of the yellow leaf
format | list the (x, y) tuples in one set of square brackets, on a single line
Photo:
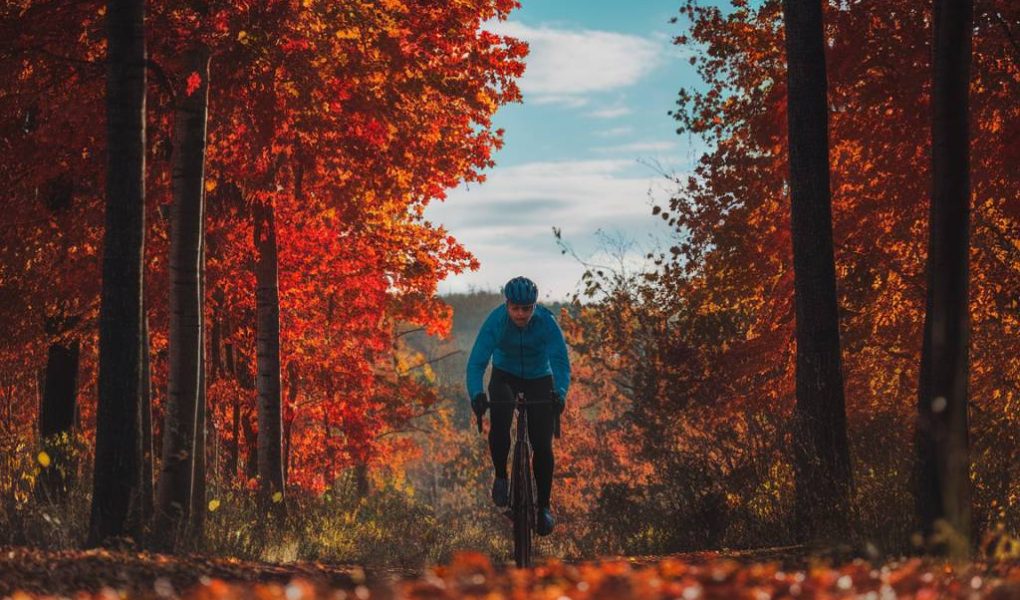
[(242, 36), (44, 459), (213, 505), (278, 497), (210, 185)]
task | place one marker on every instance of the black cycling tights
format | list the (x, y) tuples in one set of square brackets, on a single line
[(503, 387)]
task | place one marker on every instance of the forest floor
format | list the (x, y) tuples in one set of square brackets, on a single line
[(774, 573)]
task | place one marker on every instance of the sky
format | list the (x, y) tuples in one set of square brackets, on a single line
[(583, 152)]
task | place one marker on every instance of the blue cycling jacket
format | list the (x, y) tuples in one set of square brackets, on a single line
[(535, 351)]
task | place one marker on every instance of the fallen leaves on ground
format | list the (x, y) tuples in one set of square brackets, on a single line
[(104, 575)]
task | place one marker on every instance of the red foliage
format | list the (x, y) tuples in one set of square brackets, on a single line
[(348, 119)]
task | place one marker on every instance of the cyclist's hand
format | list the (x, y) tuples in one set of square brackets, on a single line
[(479, 404), (561, 403)]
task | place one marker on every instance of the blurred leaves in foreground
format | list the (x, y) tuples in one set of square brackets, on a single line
[(105, 575)]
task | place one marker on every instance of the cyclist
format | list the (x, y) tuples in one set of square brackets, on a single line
[(528, 355)]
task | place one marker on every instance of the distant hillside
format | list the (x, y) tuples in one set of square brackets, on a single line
[(469, 312)]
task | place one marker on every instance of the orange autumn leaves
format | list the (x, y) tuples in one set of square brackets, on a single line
[(347, 117), (733, 262), (704, 575)]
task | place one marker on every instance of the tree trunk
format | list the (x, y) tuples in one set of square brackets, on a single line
[(56, 419), (821, 451), (943, 485), (361, 479), (147, 489), (267, 343), (198, 498), (288, 424), (200, 470), (251, 437), (175, 481), (117, 471)]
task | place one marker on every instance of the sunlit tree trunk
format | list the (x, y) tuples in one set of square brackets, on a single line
[(117, 470), (288, 424), (200, 467), (267, 344), (943, 492), (175, 482), (821, 451)]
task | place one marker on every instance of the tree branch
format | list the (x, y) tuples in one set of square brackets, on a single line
[(428, 362)]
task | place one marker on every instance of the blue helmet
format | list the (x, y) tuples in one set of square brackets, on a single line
[(521, 290)]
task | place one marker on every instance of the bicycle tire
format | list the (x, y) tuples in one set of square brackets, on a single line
[(523, 507)]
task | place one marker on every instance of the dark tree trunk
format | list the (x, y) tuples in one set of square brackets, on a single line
[(147, 489), (175, 482), (267, 344), (821, 451), (943, 486), (361, 479), (57, 419), (117, 472), (251, 437)]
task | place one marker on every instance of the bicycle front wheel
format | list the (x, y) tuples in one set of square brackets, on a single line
[(523, 505)]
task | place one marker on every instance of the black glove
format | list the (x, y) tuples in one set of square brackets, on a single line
[(560, 403), (479, 404)]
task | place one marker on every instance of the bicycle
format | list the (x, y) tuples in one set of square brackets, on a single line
[(522, 508)]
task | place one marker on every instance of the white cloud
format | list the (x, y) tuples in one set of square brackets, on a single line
[(507, 221), (565, 66), (560, 99), (611, 112), (637, 147), (615, 131)]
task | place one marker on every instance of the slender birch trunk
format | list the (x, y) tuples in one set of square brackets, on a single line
[(175, 482)]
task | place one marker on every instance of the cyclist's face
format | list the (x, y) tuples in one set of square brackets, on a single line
[(520, 314)]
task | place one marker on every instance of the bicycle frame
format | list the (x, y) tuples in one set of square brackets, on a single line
[(522, 489), (522, 509)]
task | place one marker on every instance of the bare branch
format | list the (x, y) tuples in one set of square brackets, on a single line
[(428, 362)]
